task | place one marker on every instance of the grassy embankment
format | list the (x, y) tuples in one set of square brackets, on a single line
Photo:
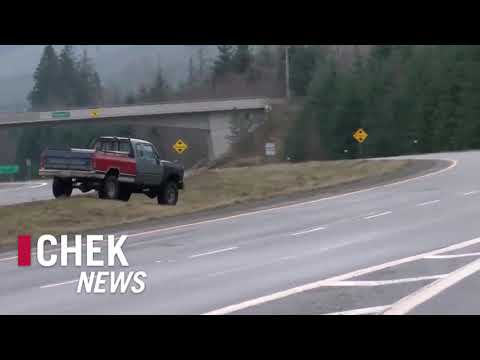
[(207, 190)]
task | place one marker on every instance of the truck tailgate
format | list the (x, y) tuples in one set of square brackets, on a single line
[(68, 159)]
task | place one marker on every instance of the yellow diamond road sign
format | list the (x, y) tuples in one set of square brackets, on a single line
[(360, 135), (180, 146)]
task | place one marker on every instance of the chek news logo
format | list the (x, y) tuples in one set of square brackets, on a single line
[(89, 282)]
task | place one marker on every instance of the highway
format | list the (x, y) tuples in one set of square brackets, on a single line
[(25, 192), (410, 247)]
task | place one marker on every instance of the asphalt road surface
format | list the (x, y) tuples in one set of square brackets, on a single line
[(25, 192), (412, 247)]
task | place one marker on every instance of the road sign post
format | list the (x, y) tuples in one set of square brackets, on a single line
[(28, 162), (360, 136)]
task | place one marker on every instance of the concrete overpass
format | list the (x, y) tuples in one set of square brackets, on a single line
[(211, 116)]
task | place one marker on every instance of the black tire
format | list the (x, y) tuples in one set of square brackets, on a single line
[(61, 188), (111, 188), (124, 194), (68, 188), (168, 195)]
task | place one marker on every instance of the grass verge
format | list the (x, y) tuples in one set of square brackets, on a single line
[(207, 190)]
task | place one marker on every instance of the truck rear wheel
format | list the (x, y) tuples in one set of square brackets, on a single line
[(111, 188), (124, 194), (61, 188), (168, 195)]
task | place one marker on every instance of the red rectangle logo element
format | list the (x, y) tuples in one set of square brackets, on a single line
[(24, 250)]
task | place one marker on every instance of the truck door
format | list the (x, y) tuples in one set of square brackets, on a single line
[(142, 164), (155, 167), (149, 167)]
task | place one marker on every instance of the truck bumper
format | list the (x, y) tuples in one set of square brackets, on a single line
[(69, 173)]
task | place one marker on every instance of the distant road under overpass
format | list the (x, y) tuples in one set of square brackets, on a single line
[(215, 116)]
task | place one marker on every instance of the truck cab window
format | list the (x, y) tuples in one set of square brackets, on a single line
[(124, 146), (139, 151), (109, 146), (149, 152)]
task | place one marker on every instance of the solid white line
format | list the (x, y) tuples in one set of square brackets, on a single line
[(58, 284), (364, 311), (377, 215), (426, 293), (309, 231), (471, 193), (9, 258), (383, 282), (37, 186), (213, 252), (24, 187), (314, 285), (453, 256), (428, 203), (452, 165)]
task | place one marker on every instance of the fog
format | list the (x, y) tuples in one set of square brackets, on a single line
[(123, 66)]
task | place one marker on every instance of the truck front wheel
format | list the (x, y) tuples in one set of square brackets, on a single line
[(124, 193), (61, 188), (168, 195)]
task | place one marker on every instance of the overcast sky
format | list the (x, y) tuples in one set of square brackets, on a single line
[(127, 65)]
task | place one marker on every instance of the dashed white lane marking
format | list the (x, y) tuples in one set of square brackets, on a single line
[(471, 193), (377, 215), (364, 311), (58, 284), (453, 256), (428, 203), (426, 293), (453, 163), (309, 231), (314, 285), (382, 282), (213, 252), (287, 258)]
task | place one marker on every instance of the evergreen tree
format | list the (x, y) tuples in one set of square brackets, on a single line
[(191, 72), (160, 89), (241, 59), (302, 67), (69, 77), (130, 99), (46, 90), (143, 93), (223, 63), (202, 64)]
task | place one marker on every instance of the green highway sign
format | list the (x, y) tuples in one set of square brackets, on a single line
[(8, 169), (60, 114)]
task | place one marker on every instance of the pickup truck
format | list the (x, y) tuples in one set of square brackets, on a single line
[(115, 167)]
